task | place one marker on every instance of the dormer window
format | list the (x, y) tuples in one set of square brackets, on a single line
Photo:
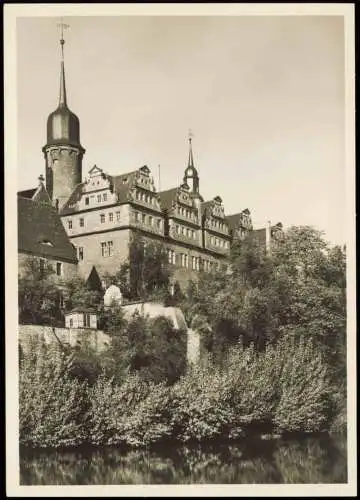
[(47, 243)]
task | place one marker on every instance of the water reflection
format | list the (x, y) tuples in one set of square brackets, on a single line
[(310, 460)]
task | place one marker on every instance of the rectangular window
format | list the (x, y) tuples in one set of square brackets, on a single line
[(171, 257), (81, 221), (137, 216), (105, 197), (150, 220), (143, 218), (81, 253), (42, 266), (71, 322), (86, 320), (99, 198), (59, 268), (103, 249), (118, 216), (193, 263), (110, 248), (87, 200), (70, 224), (187, 232), (182, 230), (111, 217), (158, 223), (102, 218), (186, 260)]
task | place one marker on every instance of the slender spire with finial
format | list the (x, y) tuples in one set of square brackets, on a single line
[(62, 97), (191, 160)]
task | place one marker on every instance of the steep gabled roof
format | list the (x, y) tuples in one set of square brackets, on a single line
[(73, 199), (167, 198), (259, 235), (122, 184), (206, 205), (38, 194), (27, 193), (41, 233), (233, 220)]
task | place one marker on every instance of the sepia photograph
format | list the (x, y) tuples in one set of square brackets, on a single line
[(180, 242)]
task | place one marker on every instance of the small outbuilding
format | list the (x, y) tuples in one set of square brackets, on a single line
[(81, 318)]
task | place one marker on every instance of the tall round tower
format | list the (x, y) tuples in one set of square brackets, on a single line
[(63, 151)]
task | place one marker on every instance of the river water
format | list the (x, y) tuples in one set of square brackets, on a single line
[(307, 460)]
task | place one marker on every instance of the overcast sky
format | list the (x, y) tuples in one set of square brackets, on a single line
[(264, 97)]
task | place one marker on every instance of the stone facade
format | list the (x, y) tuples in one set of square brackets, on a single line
[(101, 212), (63, 171), (64, 336), (100, 341), (62, 270)]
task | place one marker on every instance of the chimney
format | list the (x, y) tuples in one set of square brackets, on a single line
[(268, 237)]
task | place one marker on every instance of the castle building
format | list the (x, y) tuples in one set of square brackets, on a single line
[(100, 212), (42, 236)]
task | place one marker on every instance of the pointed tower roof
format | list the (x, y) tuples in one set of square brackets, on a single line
[(191, 176), (63, 126), (191, 159)]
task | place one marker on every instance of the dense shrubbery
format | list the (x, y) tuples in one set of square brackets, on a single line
[(274, 328), (283, 389)]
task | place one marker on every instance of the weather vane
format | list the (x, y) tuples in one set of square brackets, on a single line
[(191, 135), (62, 26)]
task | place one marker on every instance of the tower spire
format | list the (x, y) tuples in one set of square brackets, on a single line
[(191, 160), (62, 95)]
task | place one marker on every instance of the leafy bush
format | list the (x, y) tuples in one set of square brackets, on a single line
[(52, 403), (133, 413), (201, 405), (285, 387), (304, 389), (254, 381)]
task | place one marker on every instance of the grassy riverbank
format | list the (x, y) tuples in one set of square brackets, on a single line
[(284, 389)]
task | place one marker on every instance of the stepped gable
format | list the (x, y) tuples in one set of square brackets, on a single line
[(41, 232)]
